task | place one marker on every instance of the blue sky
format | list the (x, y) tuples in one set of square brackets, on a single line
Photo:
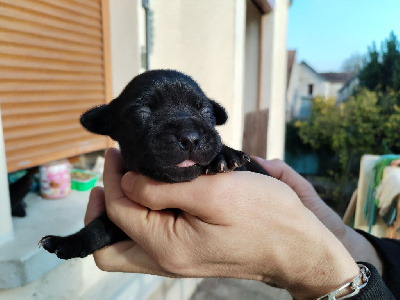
[(326, 32)]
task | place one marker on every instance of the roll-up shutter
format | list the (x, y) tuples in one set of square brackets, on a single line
[(54, 64)]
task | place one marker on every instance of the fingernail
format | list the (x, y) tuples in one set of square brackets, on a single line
[(126, 182)]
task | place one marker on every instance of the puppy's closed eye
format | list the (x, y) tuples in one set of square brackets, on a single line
[(203, 108), (144, 111), (135, 111)]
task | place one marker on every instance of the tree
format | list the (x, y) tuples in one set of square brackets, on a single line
[(371, 73), (357, 126), (381, 71), (318, 128), (391, 63), (366, 122), (353, 64), (350, 129)]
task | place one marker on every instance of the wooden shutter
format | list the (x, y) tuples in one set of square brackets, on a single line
[(255, 133), (54, 64)]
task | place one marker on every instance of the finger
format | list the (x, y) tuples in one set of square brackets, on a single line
[(96, 204), (277, 168), (122, 211), (157, 195), (280, 170), (210, 198), (113, 172)]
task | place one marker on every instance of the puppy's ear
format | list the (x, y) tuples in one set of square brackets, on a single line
[(219, 113), (98, 120)]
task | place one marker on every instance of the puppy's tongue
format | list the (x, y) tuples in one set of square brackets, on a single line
[(186, 163)]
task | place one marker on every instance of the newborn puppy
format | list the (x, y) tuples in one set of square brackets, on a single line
[(165, 127)]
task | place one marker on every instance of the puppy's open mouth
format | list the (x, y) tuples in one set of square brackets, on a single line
[(186, 163)]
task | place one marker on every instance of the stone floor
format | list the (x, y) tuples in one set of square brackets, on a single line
[(236, 289)]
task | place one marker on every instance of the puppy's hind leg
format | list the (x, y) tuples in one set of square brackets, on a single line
[(96, 235)]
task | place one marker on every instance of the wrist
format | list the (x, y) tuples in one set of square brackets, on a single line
[(327, 281), (331, 269), (310, 261), (352, 288)]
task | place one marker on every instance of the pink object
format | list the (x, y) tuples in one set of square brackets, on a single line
[(55, 179)]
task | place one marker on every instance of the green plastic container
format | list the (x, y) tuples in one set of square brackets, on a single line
[(83, 180)]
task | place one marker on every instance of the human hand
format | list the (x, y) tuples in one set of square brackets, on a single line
[(239, 224), (359, 247), (306, 192)]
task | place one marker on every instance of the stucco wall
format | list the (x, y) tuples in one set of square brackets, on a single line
[(126, 38), (292, 92), (273, 76), (252, 58), (333, 89)]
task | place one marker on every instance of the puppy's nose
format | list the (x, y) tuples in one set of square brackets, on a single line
[(189, 140)]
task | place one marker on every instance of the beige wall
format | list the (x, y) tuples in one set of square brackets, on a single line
[(126, 38), (252, 58), (333, 88), (199, 38), (292, 91), (273, 76)]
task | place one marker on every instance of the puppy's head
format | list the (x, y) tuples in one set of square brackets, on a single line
[(164, 124)]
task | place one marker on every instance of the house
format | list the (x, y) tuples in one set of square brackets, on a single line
[(348, 88), (305, 83), (60, 57)]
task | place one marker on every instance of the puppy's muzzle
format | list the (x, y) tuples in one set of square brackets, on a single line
[(189, 140)]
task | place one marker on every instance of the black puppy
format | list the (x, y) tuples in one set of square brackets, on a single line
[(165, 127)]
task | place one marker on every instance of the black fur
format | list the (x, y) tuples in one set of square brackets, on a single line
[(18, 191), (160, 120)]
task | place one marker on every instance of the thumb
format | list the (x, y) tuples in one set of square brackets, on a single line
[(96, 205), (199, 197)]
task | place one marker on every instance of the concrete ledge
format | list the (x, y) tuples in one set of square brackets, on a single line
[(21, 260)]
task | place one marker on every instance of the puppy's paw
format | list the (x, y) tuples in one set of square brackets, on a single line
[(64, 247), (227, 160)]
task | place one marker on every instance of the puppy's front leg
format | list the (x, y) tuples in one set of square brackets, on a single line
[(227, 160), (96, 235)]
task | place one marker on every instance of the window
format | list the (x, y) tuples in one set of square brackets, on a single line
[(310, 89)]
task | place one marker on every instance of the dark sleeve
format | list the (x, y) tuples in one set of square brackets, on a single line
[(375, 289), (389, 252)]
